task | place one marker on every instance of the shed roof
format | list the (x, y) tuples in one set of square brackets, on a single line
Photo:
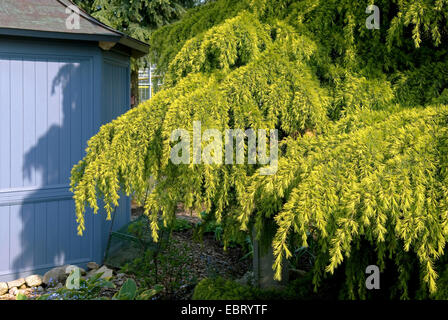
[(47, 19)]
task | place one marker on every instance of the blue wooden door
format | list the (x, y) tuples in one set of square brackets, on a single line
[(46, 117)]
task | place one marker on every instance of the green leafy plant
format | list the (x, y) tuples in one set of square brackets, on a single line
[(141, 231), (209, 225), (249, 246), (128, 291), (228, 238), (21, 296), (179, 224), (150, 293), (165, 269), (89, 289)]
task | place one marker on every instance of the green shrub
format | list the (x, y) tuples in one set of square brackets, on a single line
[(224, 289), (274, 64), (166, 267), (221, 289), (442, 292), (226, 237), (180, 225)]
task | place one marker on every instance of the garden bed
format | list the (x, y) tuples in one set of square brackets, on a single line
[(184, 262)]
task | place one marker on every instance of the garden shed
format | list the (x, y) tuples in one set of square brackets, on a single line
[(58, 85)]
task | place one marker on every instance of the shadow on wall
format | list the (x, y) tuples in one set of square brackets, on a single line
[(63, 123), (49, 107)]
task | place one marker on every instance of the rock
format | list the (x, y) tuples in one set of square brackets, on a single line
[(119, 283), (13, 291), (92, 266), (22, 291), (16, 283), (60, 274), (107, 273), (3, 288), (40, 289), (70, 268), (121, 275), (247, 279), (59, 286), (55, 275), (33, 281), (23, 287)]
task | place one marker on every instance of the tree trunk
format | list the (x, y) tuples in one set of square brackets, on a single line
[(134, 89), (263, 259)]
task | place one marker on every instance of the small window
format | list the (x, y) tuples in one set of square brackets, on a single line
[(144, 84)]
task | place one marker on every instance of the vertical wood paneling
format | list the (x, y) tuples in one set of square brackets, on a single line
[(115, 103), (42, 89), (5, 124), (15, 241), (47, 124), (64, 217), (65, 104), (120, 103), (52, 236), (17, 127), (115, 100), (123, 91), (116, 75), (107, 90), (29, 140), (76, 241), (54, 96), (86, 238), (49, 108), (40, 234), (27, 235), (4, 239), (87, 103), (76, 142)]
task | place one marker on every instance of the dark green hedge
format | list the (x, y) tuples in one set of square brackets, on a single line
[(223, 289)]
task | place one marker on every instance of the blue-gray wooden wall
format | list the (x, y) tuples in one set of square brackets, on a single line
[(115, 95), (52, 100)]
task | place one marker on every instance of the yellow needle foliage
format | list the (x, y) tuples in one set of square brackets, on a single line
[(363, 138)]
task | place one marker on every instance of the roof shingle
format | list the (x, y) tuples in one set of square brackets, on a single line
[(20, 17)]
